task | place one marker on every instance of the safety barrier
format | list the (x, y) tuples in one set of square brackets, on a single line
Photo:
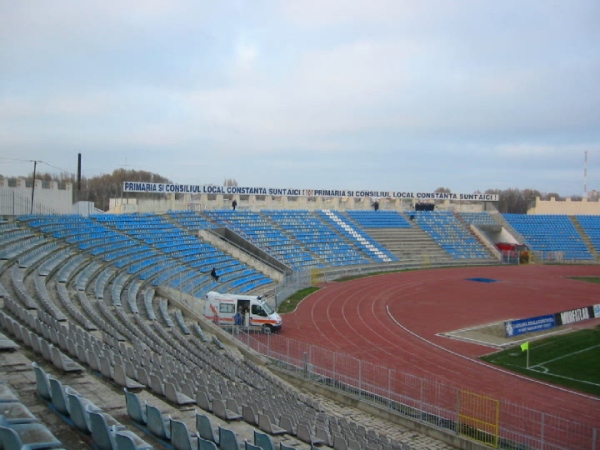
[(495, 422), (478, 417)]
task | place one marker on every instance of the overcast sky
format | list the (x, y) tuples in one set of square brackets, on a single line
[(317, 94)]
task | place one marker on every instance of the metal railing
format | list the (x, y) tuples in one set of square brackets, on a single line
[(303, 279), (430, 401), (14, 204)]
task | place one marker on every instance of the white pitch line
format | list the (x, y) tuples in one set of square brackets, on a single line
[(516, 375), (565, 378), (565, 356)]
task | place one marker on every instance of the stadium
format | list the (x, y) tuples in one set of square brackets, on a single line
[(102, 320)]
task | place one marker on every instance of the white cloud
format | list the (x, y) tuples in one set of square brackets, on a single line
[(329, 90), (67, 106), (526, 151), (247, 54), (321, 13)]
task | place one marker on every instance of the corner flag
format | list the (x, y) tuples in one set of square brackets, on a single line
[(525, 348)]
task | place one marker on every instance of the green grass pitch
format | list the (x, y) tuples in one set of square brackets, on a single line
[(571, 360)]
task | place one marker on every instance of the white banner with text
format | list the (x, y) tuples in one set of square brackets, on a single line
[(168, 188)]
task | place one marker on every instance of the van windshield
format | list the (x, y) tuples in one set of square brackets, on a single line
[(267, 309)]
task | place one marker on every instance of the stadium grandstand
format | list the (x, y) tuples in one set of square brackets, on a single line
[(103, 336)]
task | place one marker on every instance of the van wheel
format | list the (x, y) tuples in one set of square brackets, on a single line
[(266, 329)]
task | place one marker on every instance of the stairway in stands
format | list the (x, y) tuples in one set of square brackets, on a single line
[(410, 244), (585, 238), (500, 220), (477, 237)]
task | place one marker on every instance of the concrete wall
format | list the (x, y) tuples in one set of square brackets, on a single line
[(503, 235), (48, 198), (253, 256), (484, 238), (567, 207), (86, 209)]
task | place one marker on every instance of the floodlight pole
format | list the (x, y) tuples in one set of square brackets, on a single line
[(33, 186)]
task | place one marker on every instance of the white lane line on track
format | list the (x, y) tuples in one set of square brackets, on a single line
[(375, 328), (516, 375), (339, 330), (412, 356)]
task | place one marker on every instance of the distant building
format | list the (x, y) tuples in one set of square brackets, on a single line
[(585, 206), (48, 198)]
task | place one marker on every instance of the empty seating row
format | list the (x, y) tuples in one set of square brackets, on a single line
[(206, 436), (37, 336), (361, 238), (54, 261), (317, 238), (189, 220), (478, 218), (37, 254), (551, 233), (19, 428), (266, 235), (174, 242), (591, 227), (186, 354), (450, 234), (105, 431), (45, 301), (22, 245), (378, 219)]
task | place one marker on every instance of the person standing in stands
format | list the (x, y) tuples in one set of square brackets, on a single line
[(234, 204), (213, 274), (237, 321)]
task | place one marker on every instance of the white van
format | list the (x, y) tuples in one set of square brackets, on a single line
[(256, 313)]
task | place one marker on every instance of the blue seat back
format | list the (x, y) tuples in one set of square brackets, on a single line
[(79, 411), (263, 441), (9, 438), (102, 435), (59, 398), (134, 407), (41, 382), (205, 444), (125, 441), (282, 446), (204, 427), (227, 439), (180, 436), (156, 423)]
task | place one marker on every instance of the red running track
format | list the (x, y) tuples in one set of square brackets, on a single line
[(352, 317)]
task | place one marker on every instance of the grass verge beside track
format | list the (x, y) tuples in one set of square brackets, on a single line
[(588, 279), (387, 272), (290, 303), (570, 360)]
